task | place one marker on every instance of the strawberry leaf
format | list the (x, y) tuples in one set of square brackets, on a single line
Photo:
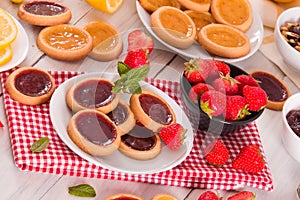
[(129, 79)]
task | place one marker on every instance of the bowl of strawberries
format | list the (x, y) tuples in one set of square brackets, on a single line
[(219, 97)]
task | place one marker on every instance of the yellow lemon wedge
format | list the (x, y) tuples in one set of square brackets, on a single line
[(5, 55), (108, 6), (17, 1), (8, 29)]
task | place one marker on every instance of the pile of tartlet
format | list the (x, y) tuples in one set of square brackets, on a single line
[(62, 41), (219, 26)]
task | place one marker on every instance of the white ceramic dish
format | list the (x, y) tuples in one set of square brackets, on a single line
[(289, 54), (20, 48), (290, 140), (167, 159), (255, 34)]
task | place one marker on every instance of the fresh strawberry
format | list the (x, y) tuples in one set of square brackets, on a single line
[(226, 84), (213, 103), (216, 153), (1, 125), (135, 59), (197, 90), (172, 135), (218, 67), (196, 71), (208, 195), (236, 108), (139, 40), (256, 97), (243, 195), (249, 159), (243, 80)]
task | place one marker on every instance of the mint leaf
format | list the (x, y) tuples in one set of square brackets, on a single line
[(129, 81), (122, 68), (82, 190), (40, 145)]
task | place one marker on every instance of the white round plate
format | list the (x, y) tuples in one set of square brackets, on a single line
[(19, 47), (255, 34), (167, 159)]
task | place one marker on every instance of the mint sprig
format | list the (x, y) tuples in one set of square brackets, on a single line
[(129, 79), (82, 190)]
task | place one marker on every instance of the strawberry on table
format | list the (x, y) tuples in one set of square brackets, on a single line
[(213, 103), (249, 159), (196, 71), (216, 153), (139, 40), (236, 108), (1, 125), (226, 84), (172, 135), (243, 80), (135, 59), (197, 90), (209, 195), (243, 195), (256, 97)]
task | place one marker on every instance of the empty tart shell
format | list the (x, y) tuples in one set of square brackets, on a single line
[(277, 91), (224, 41), (65, 42), (92, 93), (30, 85), (151, 110), (152, 5), (94, 133), (199, 5), (200, 19), (44, 13), (140, 143), (173, 26), (235, 13), (123, 117), (124, 196), (107, 42)]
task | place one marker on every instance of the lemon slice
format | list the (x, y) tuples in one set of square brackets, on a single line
[(108, 6), (8, 29), (5, 55)]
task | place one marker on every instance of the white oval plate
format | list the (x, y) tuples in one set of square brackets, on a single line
[(255, 34), (167, 159), (19, 47)]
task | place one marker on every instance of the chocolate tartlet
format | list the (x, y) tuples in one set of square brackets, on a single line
[(276, 90), (94, 132), (140, 143), (151, 110), (30, 85), (44, 13), (92, 93)]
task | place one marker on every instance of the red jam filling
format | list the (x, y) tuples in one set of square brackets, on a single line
[(274, 89), (44, 8), (94, 93), (140, 138), (155, 109), (96, 128), (33, 83), (293, 119), (119, 114)]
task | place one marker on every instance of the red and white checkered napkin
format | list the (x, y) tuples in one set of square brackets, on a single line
[(29, 123)]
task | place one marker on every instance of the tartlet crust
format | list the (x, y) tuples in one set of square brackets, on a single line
[(119, 196), (196, 5), (25, 99), (75, 106), (152, 5), (145, 119), (87, 146), (44, 20)]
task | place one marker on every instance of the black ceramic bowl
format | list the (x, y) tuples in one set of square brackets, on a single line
[(201, 121)]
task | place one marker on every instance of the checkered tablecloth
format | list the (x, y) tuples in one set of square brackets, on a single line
[(29, 123)]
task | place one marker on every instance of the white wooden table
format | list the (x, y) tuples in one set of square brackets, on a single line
[(16, 184)]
